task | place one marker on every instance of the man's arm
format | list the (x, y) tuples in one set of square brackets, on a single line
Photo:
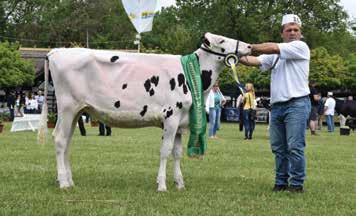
[(265, 48), (257, 49)]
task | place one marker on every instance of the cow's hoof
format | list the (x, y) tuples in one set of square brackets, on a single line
[(64, 185), (179, 186), (162, 188), (178, 181), (71, 183)]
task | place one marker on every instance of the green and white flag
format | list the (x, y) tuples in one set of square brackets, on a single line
[(141, 13)]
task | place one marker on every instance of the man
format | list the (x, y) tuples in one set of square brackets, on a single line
[(289, 62), (102, 128), (329, 110), (11, 105), (40, 99), (315, 97)]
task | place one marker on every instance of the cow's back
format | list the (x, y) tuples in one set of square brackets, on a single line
[(122, 89)]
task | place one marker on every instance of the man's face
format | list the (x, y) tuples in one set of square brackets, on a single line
[(291, 32)]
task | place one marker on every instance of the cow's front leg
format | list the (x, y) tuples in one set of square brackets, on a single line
[(177, 155), (62, 136), (169, 133)]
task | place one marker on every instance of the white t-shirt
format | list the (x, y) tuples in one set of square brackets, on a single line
[(289, 78), (330, 104)]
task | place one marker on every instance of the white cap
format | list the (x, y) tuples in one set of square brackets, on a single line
[(330, 94), (291, 18)]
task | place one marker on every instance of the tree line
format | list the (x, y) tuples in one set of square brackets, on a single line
[(178, 30)]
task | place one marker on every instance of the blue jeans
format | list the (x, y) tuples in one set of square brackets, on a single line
[(249, 125), (218, 116), (330, 122), (213, 121), (287, 136)]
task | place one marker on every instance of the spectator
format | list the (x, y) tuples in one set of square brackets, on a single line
[(18, 106), (11, 105), (329, 109), (27, 102), (213, 106), (239, 105), (102, 128), (249, 110), (40, 100), (315, 97), (82, 130), (350, 98), (31, 105)]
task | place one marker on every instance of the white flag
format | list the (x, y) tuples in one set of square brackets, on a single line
[(141, 13)]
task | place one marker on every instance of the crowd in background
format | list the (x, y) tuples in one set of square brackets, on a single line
[(27, 103)]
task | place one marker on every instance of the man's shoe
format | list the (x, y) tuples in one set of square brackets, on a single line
[(278, 188), (295, 189)]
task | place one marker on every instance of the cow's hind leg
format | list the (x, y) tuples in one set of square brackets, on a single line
[(169, 133), (62, 137), (177, 155)]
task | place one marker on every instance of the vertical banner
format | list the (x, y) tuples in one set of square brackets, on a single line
[(141, 13)]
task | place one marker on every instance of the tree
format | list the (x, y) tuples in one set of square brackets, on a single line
[(14, 71), (350, 80), (328, 71)]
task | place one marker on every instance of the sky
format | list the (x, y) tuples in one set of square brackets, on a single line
[(349, 5)]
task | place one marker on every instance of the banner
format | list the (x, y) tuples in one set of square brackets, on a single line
[(141, 13)]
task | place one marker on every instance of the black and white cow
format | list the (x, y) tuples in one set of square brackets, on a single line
[(348, 110), (131, 90)]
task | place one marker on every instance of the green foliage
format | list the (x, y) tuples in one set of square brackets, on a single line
[(14, 71), (52, 117), (351, 76), (329, 71)]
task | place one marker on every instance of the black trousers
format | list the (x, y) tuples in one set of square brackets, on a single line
[(102, 128), (81, 126)]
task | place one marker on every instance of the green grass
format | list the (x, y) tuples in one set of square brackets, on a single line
[(116, 176)]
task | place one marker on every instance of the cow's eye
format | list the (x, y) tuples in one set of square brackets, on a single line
[(222, 41)]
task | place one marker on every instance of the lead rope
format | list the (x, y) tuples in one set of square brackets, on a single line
[(236, 78)]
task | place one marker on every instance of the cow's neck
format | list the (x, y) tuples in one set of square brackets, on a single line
[(210, 62)]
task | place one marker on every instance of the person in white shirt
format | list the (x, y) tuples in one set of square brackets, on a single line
[(289, 65), (40, 100), (213, 106), (329, 110)]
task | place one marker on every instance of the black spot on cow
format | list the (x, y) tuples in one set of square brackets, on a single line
[(162, 137), (124, 86), (117, 104), (164, 110), (114, 58), (152, 92), (185, 89), (179, 105), (222, 50), (219, 58), (147, 85), (206, 78), (169, 113), (181, 79), (154, 80), (143, 112), (173, 83)]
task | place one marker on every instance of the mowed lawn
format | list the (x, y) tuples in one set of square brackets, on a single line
[(116, 176)]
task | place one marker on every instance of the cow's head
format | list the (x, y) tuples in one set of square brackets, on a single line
[(217, 51), (224, 46)]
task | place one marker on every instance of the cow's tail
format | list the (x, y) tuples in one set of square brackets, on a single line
[(42, 129)]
